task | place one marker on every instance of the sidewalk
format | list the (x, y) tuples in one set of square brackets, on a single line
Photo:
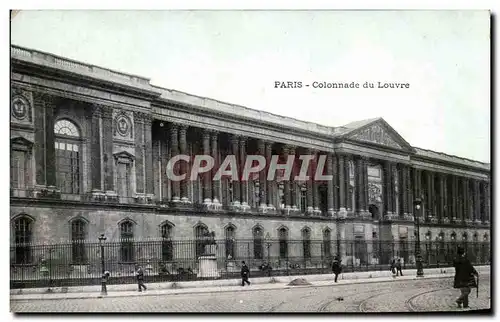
[(218, 286)]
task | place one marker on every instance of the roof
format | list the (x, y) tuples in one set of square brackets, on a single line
[(73, 66)]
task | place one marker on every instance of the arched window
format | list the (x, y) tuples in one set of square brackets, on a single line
[(167, 249), (127, 241), (258, 247), (78, 235), (283, 237), (200, 231), (23, 234), (67, 140), (230, 242), (306, 242), (327, 243)]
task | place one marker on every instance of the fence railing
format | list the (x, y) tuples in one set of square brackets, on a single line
[(80, 262)]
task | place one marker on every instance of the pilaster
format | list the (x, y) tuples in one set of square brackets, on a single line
[(330, 192)]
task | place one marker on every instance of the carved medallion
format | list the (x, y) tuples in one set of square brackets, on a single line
[(123, 125), (19, 107)]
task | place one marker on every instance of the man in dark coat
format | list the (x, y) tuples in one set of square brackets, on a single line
[(464, 277), (140, 278), (245, 273), (399, 268), (336, 267)]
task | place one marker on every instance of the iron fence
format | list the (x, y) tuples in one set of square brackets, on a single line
[(80, 262)]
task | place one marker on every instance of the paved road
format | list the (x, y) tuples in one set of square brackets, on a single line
[(399, 296)]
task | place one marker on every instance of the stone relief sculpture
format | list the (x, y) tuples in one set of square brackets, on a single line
[(376, 134)]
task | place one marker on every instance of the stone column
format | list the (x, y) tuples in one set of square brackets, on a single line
[(335, 181), (139, 152), (286, 183), (465, 200), (366, 199), (309, 187), (444, 192), (207, 186), (271, 195), (394, 196), (215, 183), (236, 183), (347, 181), (486, 191), (401, 190), (404, 192), (95, 144), (341, 175), (174, 151), (166, 190), (184, 165), (387, 189), (244, 182), (410, 185), (358, 179), (416, 182), (50, 149), (263, 177), (329, 171), (440, 199), (429, 200), (107, 147), (315, 183), (293, 183), (477, 209), (454, 193), (148, 155)]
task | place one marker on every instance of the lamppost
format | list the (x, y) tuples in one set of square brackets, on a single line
[(418, 257), (104, 291)]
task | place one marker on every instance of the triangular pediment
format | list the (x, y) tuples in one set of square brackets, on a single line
[(378, 132), (124, 155)]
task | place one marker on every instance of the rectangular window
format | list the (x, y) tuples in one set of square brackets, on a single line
[(68, 167), (123, 179), (18, 169)]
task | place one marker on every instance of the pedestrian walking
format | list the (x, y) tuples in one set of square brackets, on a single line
[(336, 267), (139, 274), (464, 277), (245, 274), (398, 268), (393, 268)]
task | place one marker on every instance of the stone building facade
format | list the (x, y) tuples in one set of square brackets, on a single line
[(90, 146)]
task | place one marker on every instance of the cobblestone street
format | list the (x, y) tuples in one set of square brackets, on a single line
[(399, 296)]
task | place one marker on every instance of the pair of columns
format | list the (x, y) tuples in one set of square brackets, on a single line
[(178, 145)]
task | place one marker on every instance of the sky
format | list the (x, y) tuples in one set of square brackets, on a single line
[(237, 56)]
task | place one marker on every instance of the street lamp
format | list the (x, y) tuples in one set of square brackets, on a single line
[(104, 291), (418, 207)]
